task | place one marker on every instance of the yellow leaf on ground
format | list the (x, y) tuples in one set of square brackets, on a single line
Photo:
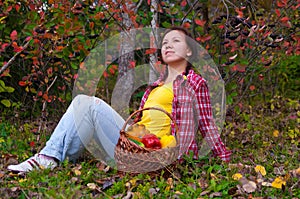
[(237, 176), (260, 169), (77, 172), (278, 182), (276, 133)]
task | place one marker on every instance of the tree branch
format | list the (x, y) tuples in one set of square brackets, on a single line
[(5, 66)]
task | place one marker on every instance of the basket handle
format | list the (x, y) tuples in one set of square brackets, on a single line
[(148, 108)]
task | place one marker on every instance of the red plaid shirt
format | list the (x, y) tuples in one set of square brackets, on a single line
[(191, 109)]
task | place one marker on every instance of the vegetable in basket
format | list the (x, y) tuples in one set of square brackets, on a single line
[(151, 141), (168, 141)]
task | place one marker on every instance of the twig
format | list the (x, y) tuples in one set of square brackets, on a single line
[(5, 66), (44, 108)]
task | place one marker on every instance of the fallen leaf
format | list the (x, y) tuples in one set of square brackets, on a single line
[(295, 172), (266, 184), (279, 170), (153, 191), (77, 172), (276, 133), (213, 176), (74, 179), (237, 176), (203, 193), (92, 186), (1, 174), (129, 195), (260, 169), (178, 193), (247, 185), (215, 194), (278, 182)]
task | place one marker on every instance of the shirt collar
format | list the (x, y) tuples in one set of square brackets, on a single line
[(181, 78)]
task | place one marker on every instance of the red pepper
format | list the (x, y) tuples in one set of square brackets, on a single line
[(151, 141)]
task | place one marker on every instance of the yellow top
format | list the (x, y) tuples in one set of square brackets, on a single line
[(156, 121)]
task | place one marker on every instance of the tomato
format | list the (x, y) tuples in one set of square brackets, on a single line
[(151, 141)]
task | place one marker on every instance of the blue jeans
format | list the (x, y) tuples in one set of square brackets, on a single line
[(89, 123)]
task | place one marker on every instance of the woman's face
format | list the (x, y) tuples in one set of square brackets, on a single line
[(174, 48)]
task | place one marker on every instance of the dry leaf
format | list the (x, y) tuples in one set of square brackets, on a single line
[(153, 191), (247, 185), (215, 194), (295, 172), (260, 169), (178, 193), (92, 186), (213, 176), (278, 182), (266, 184), (276, 133), (1, 174), (170, 183), (77, 172), (203, 193), (237, 176)]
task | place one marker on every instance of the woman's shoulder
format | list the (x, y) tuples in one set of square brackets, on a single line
[(195, 79)]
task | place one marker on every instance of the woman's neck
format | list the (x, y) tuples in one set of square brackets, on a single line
[(173, 72)]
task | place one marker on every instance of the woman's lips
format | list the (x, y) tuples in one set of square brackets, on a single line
[(169, 52)]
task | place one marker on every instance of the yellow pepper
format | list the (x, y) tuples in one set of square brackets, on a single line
[(168, 141)]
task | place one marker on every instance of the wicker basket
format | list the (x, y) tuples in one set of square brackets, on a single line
[(133, 158)]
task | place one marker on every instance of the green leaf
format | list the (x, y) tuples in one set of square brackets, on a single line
[(6, 102)]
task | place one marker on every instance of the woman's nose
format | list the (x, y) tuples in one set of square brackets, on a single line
[(168, 46)]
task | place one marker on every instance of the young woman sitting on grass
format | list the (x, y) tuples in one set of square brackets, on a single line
[(179, 91)]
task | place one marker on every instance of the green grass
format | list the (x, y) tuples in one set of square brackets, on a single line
[(251, 135)]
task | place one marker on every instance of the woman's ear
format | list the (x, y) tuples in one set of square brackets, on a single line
[(189, 52)]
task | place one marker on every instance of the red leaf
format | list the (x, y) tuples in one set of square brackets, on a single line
[(50, 71), (187, 25), (132, 64), (252, 87), (4, 46), (31, 144), (16, 47), (221, 26), (240, 13), (200, 22), (112, 71), (281, 4), (183, 3), (17, 7), (14, 35), (150, 51), (75, 76), (9, 8), (284, 19), (45, 96), (6, 72), (105, 74), (204, 38), (277, 12), (27, 38), (22, 83)]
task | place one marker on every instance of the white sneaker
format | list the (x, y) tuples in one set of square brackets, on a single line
[(38, 161)]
